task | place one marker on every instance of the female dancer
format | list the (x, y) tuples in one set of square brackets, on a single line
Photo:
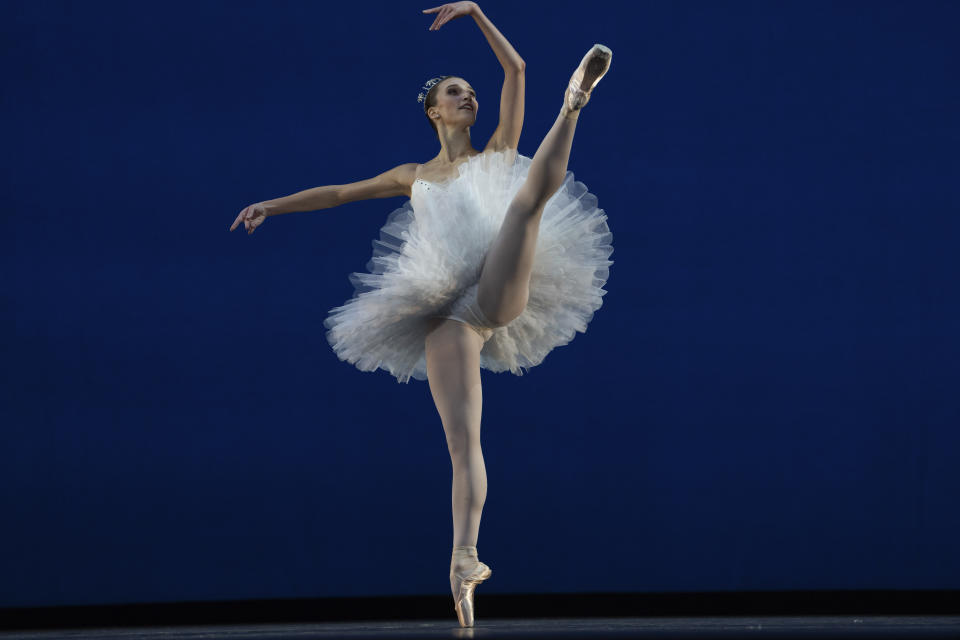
[(491, 268)]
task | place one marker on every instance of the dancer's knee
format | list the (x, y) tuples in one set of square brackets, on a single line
[(462, 443)]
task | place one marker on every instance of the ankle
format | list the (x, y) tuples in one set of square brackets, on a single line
[(465, 551), (464, 556), (569, 114)]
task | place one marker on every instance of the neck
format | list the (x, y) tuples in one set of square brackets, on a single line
[(455, 145)]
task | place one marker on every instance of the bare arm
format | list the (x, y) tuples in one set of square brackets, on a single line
[(395, 182), (506, 54), (509, 59), (507, 133)]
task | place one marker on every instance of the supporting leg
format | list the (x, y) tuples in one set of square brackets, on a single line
[(453, 373)]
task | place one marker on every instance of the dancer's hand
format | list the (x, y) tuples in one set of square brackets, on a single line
[(252, 217), (449, 11)]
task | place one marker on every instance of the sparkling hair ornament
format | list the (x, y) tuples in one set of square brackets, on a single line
[(425, 89)]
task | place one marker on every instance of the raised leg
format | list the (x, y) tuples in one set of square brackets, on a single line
[(503, 289), (453, 373)]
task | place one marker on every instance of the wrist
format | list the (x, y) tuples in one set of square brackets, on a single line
[(475, 9), (270, 207)]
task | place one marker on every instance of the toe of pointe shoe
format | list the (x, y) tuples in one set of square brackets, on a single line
[(593, 67), (464, 614), (463, 605), (463, 600)]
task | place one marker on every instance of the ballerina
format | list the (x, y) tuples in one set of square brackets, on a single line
[(495, 260)]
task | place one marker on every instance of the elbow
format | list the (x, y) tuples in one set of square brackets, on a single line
[(335, 196), (519, 66), (522, 66)]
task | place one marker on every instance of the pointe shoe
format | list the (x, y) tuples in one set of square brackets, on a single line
[(594, 66), (463, 581)]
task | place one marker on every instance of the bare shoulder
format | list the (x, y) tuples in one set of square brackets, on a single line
[(406, 173), (403, 175)]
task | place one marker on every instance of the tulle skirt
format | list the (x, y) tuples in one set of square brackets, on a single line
[(428, 259)]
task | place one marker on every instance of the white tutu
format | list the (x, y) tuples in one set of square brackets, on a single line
[(431, 251)]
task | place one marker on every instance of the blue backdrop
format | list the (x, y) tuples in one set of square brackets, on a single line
[(767, 399)]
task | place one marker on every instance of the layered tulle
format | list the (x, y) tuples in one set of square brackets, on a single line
[(431, 250)]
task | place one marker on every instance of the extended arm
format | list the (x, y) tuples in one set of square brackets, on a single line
[(395, 182)]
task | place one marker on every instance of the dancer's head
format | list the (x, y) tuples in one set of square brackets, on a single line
[(444, 102)]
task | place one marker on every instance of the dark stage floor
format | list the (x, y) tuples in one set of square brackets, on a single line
[(819, 627)]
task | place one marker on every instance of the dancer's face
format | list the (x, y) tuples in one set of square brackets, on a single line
[(456, 102)]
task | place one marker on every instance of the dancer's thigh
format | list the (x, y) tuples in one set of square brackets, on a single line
[(453, 372), (503, 289)]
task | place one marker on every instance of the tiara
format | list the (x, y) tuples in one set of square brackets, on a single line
[(425, 89)]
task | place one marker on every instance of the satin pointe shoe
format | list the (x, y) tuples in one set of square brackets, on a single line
[(594, 66), (466, 572)]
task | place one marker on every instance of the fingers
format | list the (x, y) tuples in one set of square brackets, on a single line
[(442, 12), (240, 218), (441, 18), (247, 217), (237, 221)]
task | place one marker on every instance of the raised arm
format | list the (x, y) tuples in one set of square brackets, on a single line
[(395, 182), (507, 133)]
